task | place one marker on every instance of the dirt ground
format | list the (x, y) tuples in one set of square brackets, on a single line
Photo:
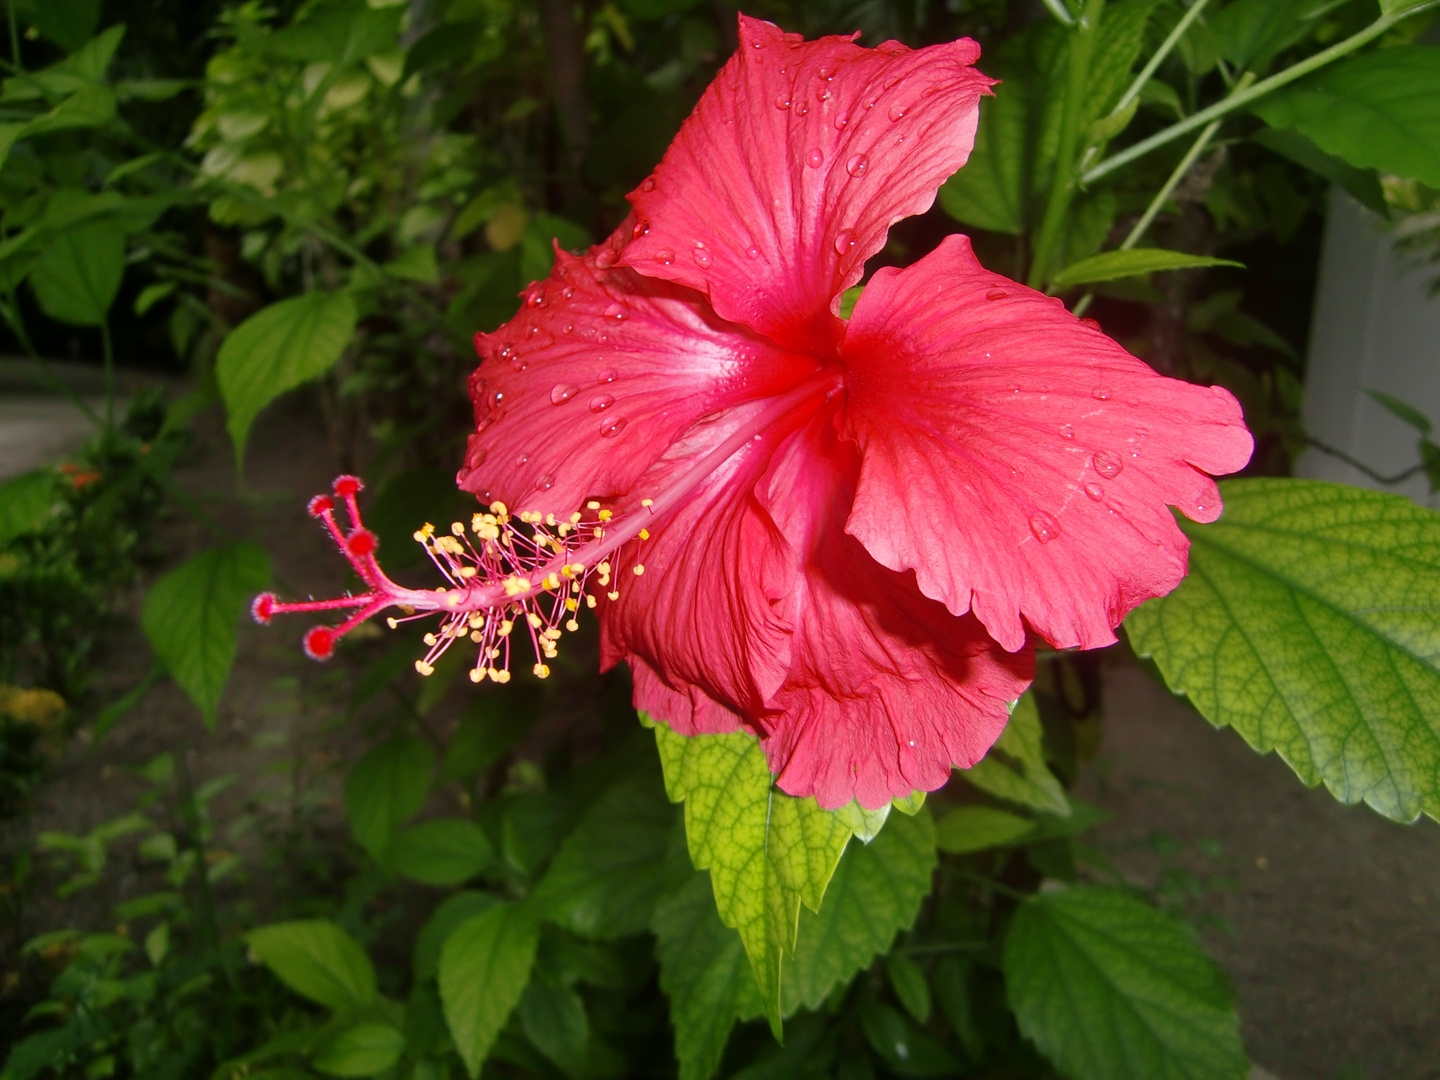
[(1333, 941)]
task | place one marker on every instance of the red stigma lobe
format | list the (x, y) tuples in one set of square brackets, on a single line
[(319, 643)]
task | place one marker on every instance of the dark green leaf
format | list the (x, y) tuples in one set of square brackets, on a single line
[(445, 851), (978, 828), (318, 960), (905, 1050), (1380, 110), (339, 34), (408, 500), (190, 614), (1110, 265), (484, 966), (362, 1050), (386, 788), (989, 192), (1250, 33), (279, 348), (88, 107), (1361, 183), (1404, 410), (1310, 623), (553, 1018), (1109, 988), (448, 914), (26, 502), (908, 982), (1014, 769), (68, 23), (79, 273)]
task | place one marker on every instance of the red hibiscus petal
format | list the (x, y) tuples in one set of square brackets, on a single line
[(792, 168), (1019, 461), (598, 373), (710, 611), (887, 691)]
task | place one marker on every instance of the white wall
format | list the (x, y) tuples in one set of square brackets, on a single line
[(1374, 327)]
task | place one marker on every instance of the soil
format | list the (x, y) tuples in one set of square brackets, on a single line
[(1327, 914)]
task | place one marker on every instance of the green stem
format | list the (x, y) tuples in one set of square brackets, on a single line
[(109, 348), (14, 35), (990, 883), (1159, 58), (1062, 190), (1240, 98)]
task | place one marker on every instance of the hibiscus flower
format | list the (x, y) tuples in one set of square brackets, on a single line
[(843, 535)]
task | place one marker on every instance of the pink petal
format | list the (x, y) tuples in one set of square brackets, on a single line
[(792, 168), (596, 375), (1019, 461), (887, 691)]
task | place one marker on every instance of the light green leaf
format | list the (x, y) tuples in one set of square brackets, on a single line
[(317, 960), (386, 788), (25, 503), (704, 974), (362, 1050), (89, 106), (1380, 110), (190, 614), (1110, 265), (1310, 623), (152, 295), (866, 824), (1399, 7), (415, 264), (608, 875), (448, 914), (911, 804), (1015, 769), (766, 852), (445, 851), (1109, 988), (79, 273), (279, 348), (989, 192), (977, 828), (876, 892), (484, 966)]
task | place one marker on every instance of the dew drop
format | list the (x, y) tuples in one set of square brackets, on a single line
[(495, 398), (841, 122), (562, 392), (1102, 393), (545, 482), (568, 328), (606, 376), (612, 427), (858, 165), (601, 402), (823, 94), (844, 241), (815, 158), (536, 298), (752, 252), (897, 112), (605, 258), (1044, 526), (702, 258), (996, 294), (519, 366), (1107, 464), (639, 229), (1068, 431), (521, 460), (478, 458), (617, 313), (869, 103), (801, 108), (1093, 324), (891, 81), (566, 293), (783, 101), (664, 256), (1095, 491), (649, 184)]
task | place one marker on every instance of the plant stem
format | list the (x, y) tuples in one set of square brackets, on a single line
[(1240, 97), (1355, 463), (1159, 58), (14, 35), (991, 883), (1062, 190), (109, 348)]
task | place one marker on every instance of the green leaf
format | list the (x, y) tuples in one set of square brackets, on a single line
[(339, 34), (445, 851), (190, 614), (989, 192), (317, 960), (911, 804), (1015, 769), (1363, 184), (362, 1050), (876, 892), (87, 107), (415, 264), (1380, 110), (905, 1050), (704, 974), (1404, 410), (25, 503), (1310, 623), (1250, 33), (1110, 265), (606, 878), (978, 828), (484, 966), (448, 914), (553, 1018), (908, 982), (79, 273), (386, 788), (279, 348), (152, 295), (766, 852), (1109, 988), (68, 23)]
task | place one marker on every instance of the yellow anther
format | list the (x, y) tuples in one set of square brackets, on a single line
[(476, 636), (408, 609), (552, 582), (572, 604), (563, 529), (592, 505), (534, 620), (476, 520), (457, 528), (418, 536), (505, 627), (644, 534), (494, 654), (606, 515), (452, 599), (498, 508), (428, 529), (391, 622), (468, 571), (590, 602), (476, 620), (542, 671), (441, 589), (575, 517), (501, 676), (647, 502), (423, 668), (614, 595), (550, 520), (637, 569), (572, 625), (514, 585), (604, 567), (429, 639), (599, 532), (476, 674)]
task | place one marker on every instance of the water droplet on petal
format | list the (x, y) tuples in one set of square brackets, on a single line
[(477, 458), (536, 297), (521, 460), (842, 122), (664, 256), (1102, 393), (1044, 526), (567, 293), (612, 427), (801, 108), (601, 402), (562, 392), (702, 258), (1068, 430), (844, 241), (1093, 324), (752, 252), (649, 184), (639, 229), (897, 112), (823, 94), (545, 482), (869, 103), (606, 376), (858, 165), (891, 81), (1095, 491), (605, 258), (1107, 464), (783, 101), (495, 398), (617, 312), (519, 366), (568, 328), (815, 158), (996, 294)]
